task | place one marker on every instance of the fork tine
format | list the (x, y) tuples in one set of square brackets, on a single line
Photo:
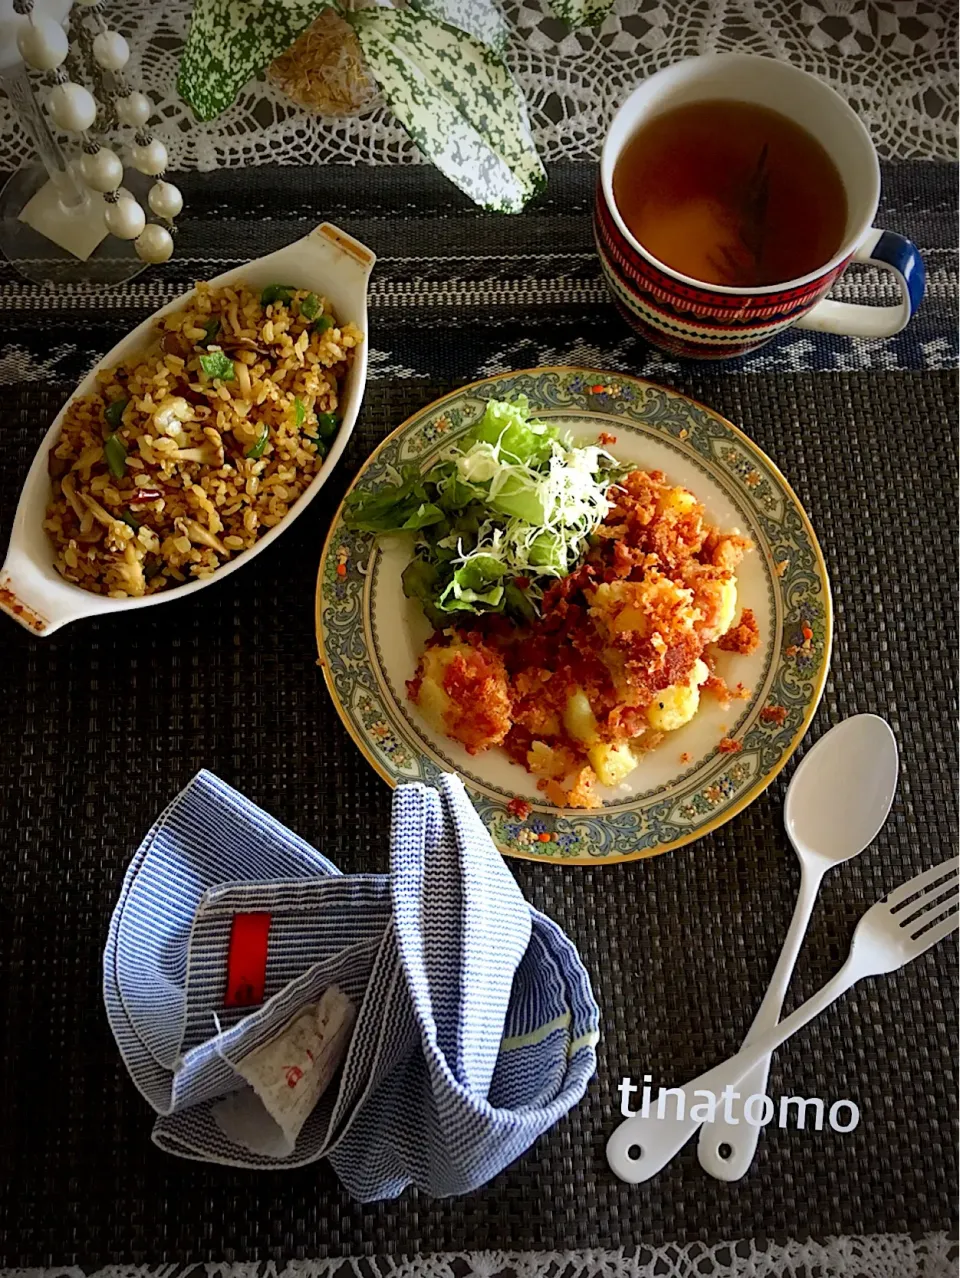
[(925, 939), (936, 876), (929, 905)]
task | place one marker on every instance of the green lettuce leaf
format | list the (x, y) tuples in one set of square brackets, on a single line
[(388, 509), (479, 573), (478, 581), (517, 604), (516, 497), (425, 515), (462, 599), (520, 438), (230, 41), (549, 551), (419, 579), (459, 103), (453, 494)]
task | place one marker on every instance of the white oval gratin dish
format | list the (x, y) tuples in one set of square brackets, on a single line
[(329, 262)]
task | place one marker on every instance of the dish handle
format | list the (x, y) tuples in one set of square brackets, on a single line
[(351, 257), (39, 604)]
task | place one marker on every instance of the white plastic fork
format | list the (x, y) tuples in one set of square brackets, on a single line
[(899, 928)]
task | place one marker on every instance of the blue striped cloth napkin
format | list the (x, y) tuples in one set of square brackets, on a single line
[(476, 1025)]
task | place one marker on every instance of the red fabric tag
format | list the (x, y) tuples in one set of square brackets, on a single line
[(247, 960)]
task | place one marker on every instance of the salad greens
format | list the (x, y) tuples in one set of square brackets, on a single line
[(506, 510)]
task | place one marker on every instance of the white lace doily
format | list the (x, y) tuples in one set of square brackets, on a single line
[(870, 1256), (894, 60)]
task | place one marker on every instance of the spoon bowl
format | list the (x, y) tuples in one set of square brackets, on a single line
[(32, 592), (841, 793)]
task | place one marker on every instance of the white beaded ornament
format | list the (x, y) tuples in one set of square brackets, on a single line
[(165, 199), (154, 244), (134, 110), (43, 45), (102, 170), (111, 51), (148, 155), (125, 218), (72, 107)]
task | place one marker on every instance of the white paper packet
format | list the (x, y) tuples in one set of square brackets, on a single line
[(288, 1076)]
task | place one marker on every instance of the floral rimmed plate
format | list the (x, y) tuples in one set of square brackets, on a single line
[(370, 637)]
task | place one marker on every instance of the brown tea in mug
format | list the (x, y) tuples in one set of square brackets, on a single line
[(731, 193)]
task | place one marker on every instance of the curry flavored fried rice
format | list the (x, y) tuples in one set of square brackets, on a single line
[(189, 453)]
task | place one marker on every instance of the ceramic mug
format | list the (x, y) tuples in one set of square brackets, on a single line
[(711, 321)]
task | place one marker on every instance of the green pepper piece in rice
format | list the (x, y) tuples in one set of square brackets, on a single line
[(210, 330), (116, 455), (323, 324), (217, 366), (256, 452), (310, 306), (277, 293), (327, 424), (299, 413), (114, 412), (130, 520)]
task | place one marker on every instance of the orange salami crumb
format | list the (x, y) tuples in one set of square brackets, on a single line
[(519, 808), (686, 757), (604, 439), (729, 746), (773, 714), (744, 637)]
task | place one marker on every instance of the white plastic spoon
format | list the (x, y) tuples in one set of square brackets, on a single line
[(836, 804)]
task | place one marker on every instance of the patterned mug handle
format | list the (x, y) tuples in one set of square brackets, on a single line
[(895, 254)]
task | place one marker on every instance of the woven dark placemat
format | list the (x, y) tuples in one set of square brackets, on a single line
[(108, 718)]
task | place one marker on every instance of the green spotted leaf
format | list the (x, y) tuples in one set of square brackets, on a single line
[(577, 12), (480, 18), (232, 40), (459, 103)]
